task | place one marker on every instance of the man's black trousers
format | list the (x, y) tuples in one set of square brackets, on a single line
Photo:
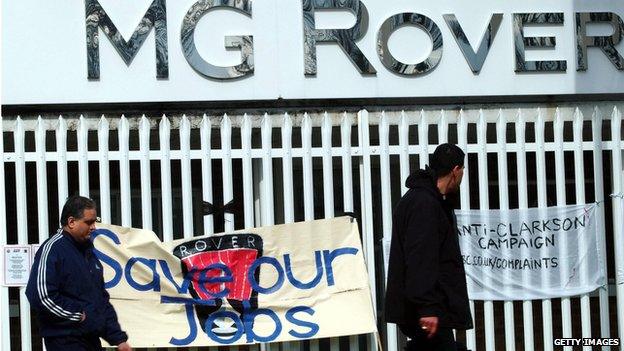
[(73, 343), (443, 340)]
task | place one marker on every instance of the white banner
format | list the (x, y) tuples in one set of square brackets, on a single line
[(528, 254), (281, 283), (619, 265)]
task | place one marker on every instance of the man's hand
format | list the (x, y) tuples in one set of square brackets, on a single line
[(429, 325), (83, 316), (124, 346)]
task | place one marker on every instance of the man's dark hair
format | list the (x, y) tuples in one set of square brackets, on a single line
[(445, 158), (74, 207)]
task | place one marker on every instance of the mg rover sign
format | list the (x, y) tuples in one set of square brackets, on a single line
[(153, 50)]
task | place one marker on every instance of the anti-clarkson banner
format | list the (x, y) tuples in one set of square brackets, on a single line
[(286, 282), (527, 254)]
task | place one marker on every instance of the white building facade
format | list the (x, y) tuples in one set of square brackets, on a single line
[(310, 110)]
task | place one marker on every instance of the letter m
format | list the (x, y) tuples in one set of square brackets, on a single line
[(96, 17)]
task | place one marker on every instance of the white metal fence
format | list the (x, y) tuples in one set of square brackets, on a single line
[(153, 172)]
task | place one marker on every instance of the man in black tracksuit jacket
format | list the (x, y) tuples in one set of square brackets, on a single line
[(426, 291), (66, 286)]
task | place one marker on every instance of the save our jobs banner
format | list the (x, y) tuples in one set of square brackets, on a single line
[(285, 282), (534, 253)]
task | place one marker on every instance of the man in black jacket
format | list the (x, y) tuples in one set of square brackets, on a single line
[(66, 286), (426, 292)]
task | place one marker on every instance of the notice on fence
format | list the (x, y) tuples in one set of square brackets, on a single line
[(16, 267), (528, 254), (286, 282)]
